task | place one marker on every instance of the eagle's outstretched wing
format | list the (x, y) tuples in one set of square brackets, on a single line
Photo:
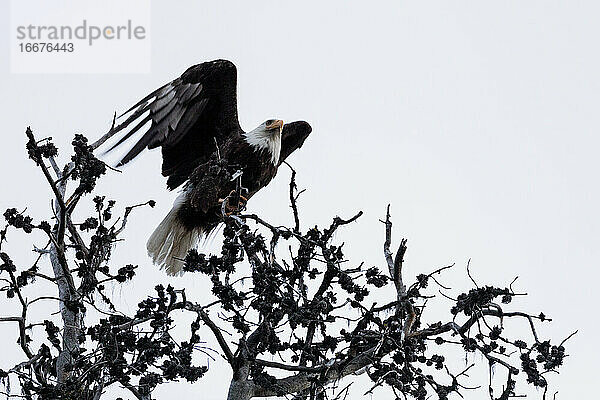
[(293, 136), (188, 117)]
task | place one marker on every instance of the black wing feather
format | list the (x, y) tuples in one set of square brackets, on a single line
[(187, 115), (293, 136), (143, 101), (185, 122), (133, 130)]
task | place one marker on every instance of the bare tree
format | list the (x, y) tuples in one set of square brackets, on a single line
[(291, 315)]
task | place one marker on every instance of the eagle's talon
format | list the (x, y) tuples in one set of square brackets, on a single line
[(227, 209)]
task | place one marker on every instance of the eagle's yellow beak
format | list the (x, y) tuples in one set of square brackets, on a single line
[(277, 124)]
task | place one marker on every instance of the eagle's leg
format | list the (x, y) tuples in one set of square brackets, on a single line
[(227, 208), (239, 192)]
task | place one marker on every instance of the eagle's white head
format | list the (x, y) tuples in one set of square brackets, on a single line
[(267, 137)]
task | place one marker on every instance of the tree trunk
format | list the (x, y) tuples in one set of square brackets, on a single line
[(71, 319), (240, 390)]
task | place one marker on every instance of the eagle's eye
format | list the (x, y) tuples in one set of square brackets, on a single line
[(269, 122)]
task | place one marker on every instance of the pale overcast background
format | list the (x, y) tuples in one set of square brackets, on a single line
[(477, 120)]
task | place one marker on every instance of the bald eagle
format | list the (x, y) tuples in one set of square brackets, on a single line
[(194, 120)]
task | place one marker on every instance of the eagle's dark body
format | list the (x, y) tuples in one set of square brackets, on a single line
[(216, 178), (194, 121)]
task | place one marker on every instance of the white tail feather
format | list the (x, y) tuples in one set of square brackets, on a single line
[(171, 240)]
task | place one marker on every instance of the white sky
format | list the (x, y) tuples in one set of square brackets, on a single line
[(477, 120)]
